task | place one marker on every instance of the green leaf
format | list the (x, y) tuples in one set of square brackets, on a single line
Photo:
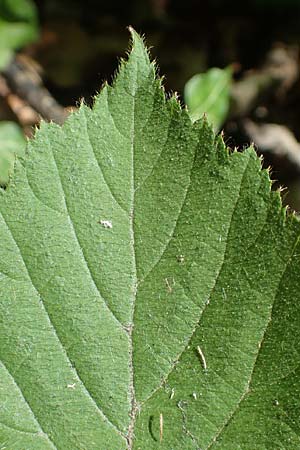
[(149, 285), (18, 27), (209, 93), (12, 142)]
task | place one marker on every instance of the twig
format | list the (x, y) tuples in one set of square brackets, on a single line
[(24, 81), (278, 74), (274, 138)]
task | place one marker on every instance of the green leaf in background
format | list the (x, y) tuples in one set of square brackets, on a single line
[(18, 27), (209, 93), (12, 142), (149, 285)]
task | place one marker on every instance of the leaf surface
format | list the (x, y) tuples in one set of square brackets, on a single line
[(148, 285)]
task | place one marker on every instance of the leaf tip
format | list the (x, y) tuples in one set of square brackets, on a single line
[(137, 40)]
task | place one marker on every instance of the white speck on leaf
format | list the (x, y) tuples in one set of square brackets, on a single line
[(224, 294), (161, 427), (180, 258), (170, 283), (202, 357), (106, 223), (71, 386)]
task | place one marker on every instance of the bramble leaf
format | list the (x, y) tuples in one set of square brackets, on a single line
[(149, 285), (12, 142), (18, 27), (208, 93)]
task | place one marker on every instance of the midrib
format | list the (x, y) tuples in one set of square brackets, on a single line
[(134, 277)]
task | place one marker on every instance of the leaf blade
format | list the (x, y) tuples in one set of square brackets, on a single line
[(208, 93)]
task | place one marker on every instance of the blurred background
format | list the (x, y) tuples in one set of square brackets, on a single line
[(237, 62)]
